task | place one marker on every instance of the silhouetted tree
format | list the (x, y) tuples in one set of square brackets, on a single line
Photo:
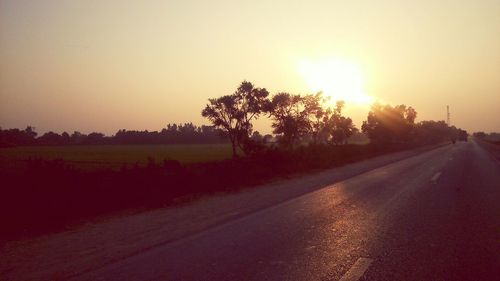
[(339, 127), (427, 132), (267, 139), (94, 138), (77, 137), (257, 137), (389, 124), (50, 138), (234, 113), (479, 135), (317, 117), (13, 137), (30, 134), (223, 113), (65, 138), (290, 120)]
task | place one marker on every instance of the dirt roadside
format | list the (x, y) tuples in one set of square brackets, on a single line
[(494, 149), (89, 246)]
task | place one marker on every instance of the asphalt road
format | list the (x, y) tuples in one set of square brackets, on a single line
[(435, 216)]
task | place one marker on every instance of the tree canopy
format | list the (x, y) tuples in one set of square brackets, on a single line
[(386, 123), (234, 113)]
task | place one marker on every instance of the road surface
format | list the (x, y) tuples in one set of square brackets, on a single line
[(435, 216)]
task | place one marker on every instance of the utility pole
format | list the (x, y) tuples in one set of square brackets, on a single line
[(448, 115)]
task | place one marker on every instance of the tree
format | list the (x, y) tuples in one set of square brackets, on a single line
[(65, 138), (30, 134), (257, 137), (317, 116), (339, 127), (234, 113), (290, 119), (267, 139), (50, 138), (223, 113), (94, 138), (13, 137), (251, 102), (427, 132), (390, 124), (479, 135), (77, 137)]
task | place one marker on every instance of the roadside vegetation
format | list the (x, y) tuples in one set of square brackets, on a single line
[(48, 191), (493, 138)]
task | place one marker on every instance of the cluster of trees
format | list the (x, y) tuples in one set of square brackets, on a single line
[(171, 134), (295, 118), (303, 119), (300, 119), (388, 124), (12, 137), (492, 137)]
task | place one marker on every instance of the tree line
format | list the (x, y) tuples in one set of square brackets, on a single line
[(304, 120), (172, 134), (296, 121), (489, 137)]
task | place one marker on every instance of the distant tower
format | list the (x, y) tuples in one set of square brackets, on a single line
[(448, 115)]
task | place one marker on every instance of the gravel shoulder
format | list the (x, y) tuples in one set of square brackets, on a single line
[(86, 247)]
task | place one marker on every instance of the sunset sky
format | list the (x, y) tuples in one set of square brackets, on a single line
[(106, 65)]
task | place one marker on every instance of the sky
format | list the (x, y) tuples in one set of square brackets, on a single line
[(106, 65)]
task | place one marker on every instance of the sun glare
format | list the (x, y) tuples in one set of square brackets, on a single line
[(337, 79)]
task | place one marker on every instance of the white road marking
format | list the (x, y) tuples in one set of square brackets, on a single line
[(357, 270), (436, 176)]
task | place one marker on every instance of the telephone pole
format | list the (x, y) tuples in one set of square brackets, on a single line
[(448, 115)]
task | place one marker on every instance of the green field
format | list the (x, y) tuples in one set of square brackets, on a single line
[(113, 156)]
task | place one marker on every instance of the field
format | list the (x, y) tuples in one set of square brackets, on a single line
[(90, 157)]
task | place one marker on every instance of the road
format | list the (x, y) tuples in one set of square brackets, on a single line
[(435, 216)]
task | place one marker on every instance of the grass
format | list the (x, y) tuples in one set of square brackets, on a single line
[(89, 157)]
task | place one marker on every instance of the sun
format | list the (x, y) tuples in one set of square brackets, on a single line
[(337, 79)]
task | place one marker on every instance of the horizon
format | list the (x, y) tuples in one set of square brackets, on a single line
[(105, 66)]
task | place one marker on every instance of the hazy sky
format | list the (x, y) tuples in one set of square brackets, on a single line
[(105, 65)]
